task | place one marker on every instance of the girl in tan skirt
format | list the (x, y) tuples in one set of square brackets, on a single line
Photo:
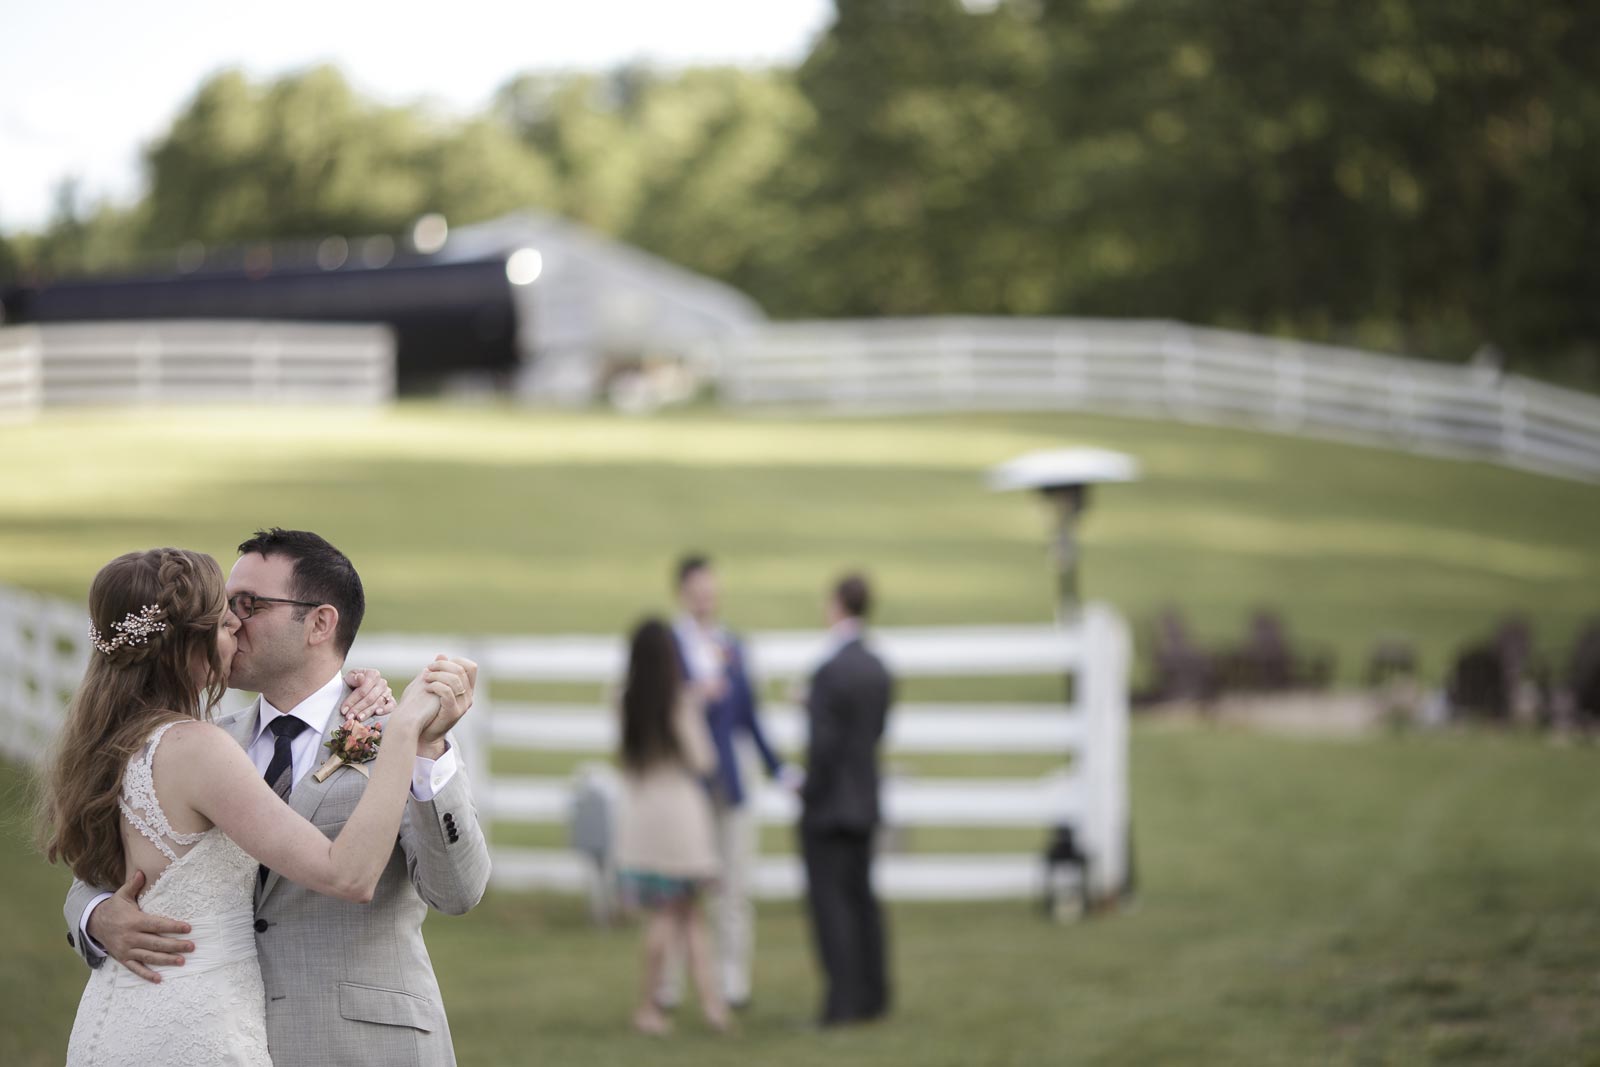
[(666, 848)]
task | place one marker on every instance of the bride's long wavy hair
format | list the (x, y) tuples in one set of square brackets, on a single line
[(171, 675)]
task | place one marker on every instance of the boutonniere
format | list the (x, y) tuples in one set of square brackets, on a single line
[(354, 744)]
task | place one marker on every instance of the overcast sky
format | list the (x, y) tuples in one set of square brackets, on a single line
[(85, 83)]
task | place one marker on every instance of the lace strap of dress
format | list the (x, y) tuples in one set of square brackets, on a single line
[(139, 805)]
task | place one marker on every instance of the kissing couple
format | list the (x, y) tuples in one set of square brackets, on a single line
[(275, 865)]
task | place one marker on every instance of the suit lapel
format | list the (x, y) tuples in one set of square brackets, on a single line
[(308, 793), (242, 728)]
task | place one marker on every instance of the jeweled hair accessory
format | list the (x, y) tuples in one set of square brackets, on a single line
[(132, 631)]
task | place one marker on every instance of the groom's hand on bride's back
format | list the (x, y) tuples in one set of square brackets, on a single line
[(135, 938)]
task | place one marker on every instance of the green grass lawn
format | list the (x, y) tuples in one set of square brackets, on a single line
[(1393, 900), (1398, 900), (501, 520)]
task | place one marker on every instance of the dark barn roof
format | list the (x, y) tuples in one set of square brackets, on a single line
[(453, 311)]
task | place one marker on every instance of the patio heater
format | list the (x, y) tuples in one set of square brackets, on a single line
[(1062, 477)]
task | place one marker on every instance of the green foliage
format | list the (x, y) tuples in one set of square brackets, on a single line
[(697, 166), (1415, 175), (306, 156), (1374, 173), (79, 238)]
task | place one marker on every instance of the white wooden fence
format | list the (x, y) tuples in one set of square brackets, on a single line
[(1166, 370), (44, 645), (43, 649), (19, 374), (182, 361)]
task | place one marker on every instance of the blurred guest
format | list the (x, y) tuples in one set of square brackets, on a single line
[(847, 708), (1585, 673), (1500, 678), (713, 660), (666, 854)]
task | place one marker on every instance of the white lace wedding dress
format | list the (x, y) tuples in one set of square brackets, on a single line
[(211, 1010)]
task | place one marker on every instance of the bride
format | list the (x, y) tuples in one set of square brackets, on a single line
[(142, 781)]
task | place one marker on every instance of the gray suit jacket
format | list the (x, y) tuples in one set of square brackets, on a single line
[(352, 983)]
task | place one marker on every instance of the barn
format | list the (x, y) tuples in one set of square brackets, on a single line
[(529, 303)]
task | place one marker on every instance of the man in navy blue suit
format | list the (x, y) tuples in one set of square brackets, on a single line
[(714, 662)]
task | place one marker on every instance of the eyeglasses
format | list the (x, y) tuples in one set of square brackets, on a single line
[(245, 605)]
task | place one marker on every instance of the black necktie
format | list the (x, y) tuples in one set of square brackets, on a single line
[(280, 772)]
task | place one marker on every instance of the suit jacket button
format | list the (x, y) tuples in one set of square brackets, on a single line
[(261, 926)]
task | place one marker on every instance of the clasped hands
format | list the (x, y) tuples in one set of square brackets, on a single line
[(450, 681), (438, 696)]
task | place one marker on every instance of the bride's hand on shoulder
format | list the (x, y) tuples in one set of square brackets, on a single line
[(370, 695)]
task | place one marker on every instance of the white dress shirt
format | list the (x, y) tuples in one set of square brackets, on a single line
[(427, 777), (704, 649), (307, 751)]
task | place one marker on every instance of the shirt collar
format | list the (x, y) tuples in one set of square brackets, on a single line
[(313, 710), (689, 628), (840, 634)]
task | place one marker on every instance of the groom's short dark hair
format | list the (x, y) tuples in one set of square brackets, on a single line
[(854, 594), (322, 574)]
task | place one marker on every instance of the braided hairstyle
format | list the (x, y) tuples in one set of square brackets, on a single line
[(137, 678)]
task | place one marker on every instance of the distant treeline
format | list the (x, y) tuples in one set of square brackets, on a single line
[(1413, 175)]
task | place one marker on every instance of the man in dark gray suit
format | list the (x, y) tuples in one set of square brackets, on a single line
[(847, 707)]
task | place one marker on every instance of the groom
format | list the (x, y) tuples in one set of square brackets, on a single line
[(346, 983)]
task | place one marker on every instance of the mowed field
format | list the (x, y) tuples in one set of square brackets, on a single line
[(499, 520), (1405, 899), (1421, 900)]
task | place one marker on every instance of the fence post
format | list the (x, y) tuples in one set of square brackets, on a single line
[(1290, 386), (1177, 371), (1513, 424), (39, 711), (12, 689), (1403, 414), (838, 359), (265, 383), (1103, 675), (147, 353), (21, 374), (1067, 364)]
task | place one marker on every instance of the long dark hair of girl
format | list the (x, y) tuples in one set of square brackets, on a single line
[(650, 696)]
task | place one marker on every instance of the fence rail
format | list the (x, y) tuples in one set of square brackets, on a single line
[(43, 648), (19, 374), (1166, 370), (1089, 793), (182, 361)]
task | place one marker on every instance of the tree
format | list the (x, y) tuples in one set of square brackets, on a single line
[(306, 156)]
